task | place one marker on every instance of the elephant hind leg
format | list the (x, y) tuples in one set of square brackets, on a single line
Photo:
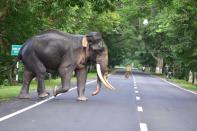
[(27, 77), (37, 67), (40, 74)]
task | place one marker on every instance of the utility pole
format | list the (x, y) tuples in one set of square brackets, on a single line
[(17, 66)]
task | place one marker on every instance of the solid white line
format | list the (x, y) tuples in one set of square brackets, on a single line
[(37, 104), (179, 86), (143, 127), (137, 98), (25, 109), (136, 92), (139, 109)]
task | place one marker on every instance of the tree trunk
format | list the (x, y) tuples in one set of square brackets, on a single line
[(195, 78), (190, 79), (159, 60), (159, 66), (3, 13)]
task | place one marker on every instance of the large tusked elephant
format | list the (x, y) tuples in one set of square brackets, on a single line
[(53, 50)]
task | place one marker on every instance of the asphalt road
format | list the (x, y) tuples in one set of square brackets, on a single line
[(140, 103)]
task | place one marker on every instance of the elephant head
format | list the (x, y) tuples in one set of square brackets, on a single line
[(99, 53)]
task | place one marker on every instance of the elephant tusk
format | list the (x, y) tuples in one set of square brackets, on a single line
[(105, 82), (108, 82)]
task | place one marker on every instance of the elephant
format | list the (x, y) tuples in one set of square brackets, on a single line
[(57, 51)]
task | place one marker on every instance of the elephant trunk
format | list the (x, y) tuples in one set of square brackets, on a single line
[(101, 77), (101, 68)]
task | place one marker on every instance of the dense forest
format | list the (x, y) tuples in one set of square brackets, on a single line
[(151, 33)]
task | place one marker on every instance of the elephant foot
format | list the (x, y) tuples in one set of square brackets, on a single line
[(44, 95), (82, 98), (57, 91), (24, 96)]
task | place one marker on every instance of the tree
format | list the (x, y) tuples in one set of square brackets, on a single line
[(21, 19)]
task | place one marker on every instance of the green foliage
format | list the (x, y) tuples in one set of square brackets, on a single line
[(170, 33), (21, 19)]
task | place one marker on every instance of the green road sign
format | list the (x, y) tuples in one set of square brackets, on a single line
[(15, 50)]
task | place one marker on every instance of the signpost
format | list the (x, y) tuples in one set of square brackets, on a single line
[(14, 52)]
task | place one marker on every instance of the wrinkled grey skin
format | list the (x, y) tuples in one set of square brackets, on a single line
[(55, 51)]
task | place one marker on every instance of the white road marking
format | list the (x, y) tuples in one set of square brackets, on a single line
[(139, 109), (37, 104), (143, 127), (135, 87), (137, 98)]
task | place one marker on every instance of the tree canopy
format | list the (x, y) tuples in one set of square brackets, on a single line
[(169, 36)]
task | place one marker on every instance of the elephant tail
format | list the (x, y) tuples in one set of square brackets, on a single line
[(22, 49), (20, 54)]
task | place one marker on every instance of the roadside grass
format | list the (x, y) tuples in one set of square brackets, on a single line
[(182, 83), (10, 92)]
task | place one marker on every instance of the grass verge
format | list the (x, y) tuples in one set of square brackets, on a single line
[(182, 83), (10, 92)]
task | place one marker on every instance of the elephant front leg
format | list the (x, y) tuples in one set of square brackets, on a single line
[(66, 75), (81, 75)]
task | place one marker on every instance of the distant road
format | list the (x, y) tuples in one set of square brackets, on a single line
[(140, 103)]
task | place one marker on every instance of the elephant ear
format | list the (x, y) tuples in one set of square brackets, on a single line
[(84, 41)]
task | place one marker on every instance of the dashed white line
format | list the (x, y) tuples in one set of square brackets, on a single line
[(137, 98), (143, 127), (34, 105), (139, 109)]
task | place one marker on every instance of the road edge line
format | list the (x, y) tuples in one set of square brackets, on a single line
[(177, 86), (36, 104)]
